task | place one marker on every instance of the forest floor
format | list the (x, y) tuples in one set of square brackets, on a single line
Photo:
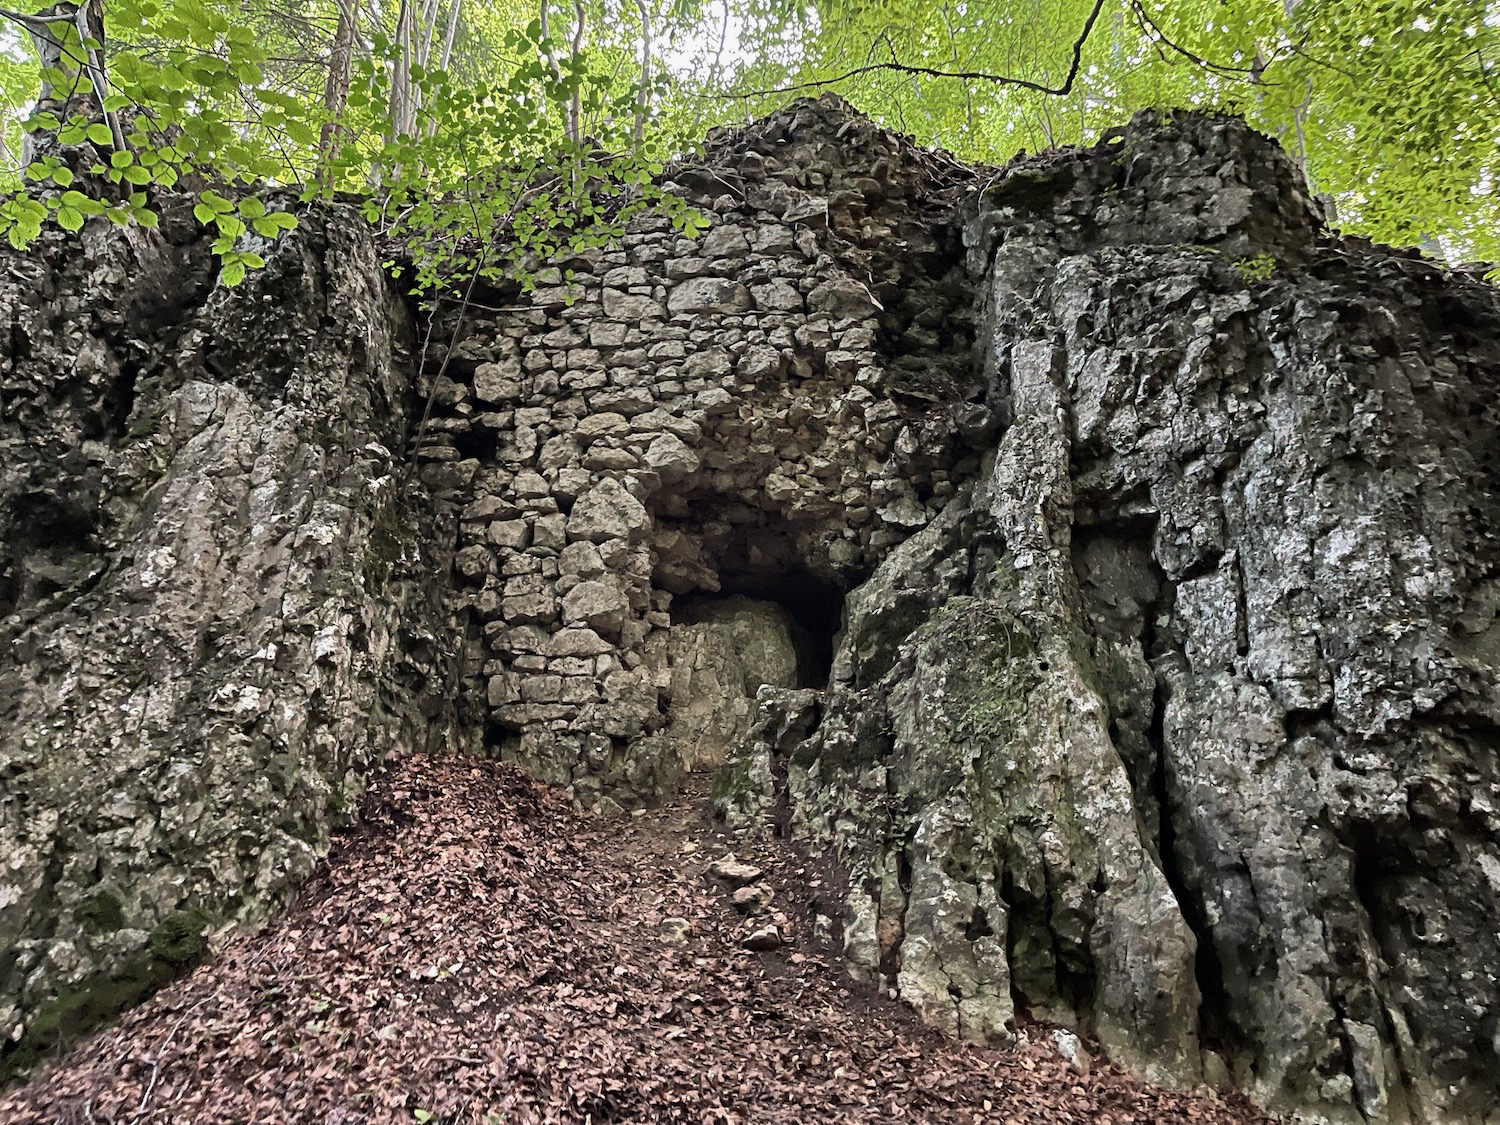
[(477, 952)]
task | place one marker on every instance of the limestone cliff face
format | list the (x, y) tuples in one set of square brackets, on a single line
[(1093, 556), (1180, 723), (211, 630)]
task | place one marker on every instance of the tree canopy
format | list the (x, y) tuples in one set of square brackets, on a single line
[(546, 121)]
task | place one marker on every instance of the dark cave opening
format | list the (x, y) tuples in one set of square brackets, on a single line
[(815, 609), (739, 551)]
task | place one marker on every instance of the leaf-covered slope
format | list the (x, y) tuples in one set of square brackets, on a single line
[(476, 951)]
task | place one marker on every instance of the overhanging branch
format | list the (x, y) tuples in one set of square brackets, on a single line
[(1066, 87)]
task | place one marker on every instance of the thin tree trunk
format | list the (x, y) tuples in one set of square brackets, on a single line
[(451, 34), (575, 109), (336, 89), (642, 98), (447, 56), (401, 78), (89, 20)]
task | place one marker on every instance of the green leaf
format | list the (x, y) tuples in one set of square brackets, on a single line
[(69, 218), (99, 133), (232, 274)]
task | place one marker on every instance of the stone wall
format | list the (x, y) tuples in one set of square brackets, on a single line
[(762, 412)]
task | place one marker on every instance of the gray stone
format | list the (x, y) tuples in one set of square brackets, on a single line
[(734, 872), (599, 605), (498, 382), (709, 294), (631, 308), (671, 457), (764, 939), (607, 511), (582, 559), (843, 298), (675, 931)]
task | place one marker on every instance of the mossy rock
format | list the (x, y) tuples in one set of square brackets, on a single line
[(734, 779), (100, 913), (180, 938), (174, 946)]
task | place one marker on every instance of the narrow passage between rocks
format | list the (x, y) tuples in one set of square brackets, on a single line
[(475, 951)]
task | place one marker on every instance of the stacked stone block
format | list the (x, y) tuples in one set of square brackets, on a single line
[(655, 412)]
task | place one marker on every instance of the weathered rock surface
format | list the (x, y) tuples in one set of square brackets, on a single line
[(1204, 675), (1095, 559), (206, 581)]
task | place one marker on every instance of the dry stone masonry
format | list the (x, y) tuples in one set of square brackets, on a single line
[(1093, 559), (683, 453)]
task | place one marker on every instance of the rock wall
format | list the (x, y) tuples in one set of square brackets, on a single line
[(1180, 724), (1094, 557), (214, 606)]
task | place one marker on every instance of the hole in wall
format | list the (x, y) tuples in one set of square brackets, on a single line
[(738, 552), (813, 614)]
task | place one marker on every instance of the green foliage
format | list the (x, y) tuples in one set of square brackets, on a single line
[(1260, 267), (522, 142), (468, 125), (1391, 106)]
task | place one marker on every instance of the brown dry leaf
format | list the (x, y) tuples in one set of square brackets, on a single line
[(475, 949)]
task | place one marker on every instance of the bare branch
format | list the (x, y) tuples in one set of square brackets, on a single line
[(1066, 86)]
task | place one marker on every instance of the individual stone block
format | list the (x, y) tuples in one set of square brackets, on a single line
[(725, 242), (761, 362), (541, 689), (712, 364), (528, 609), (842, 299), (489, 508), (607, 511), (599, 605), (530, 485), (605, 458), (627, 401), (605, 423), (709, 294), (773, 238), (581, 559), (671, 457), (514, 534), (716, 401), (778, 296), (571, 483), (550, 532), (632, 307), (498, 382), (502, 690), (577, 641), (679, 269)]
